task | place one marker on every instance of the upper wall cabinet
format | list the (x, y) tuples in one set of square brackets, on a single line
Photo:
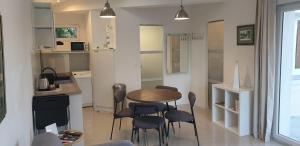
[(178, 53), (43, 26), (43, 17)]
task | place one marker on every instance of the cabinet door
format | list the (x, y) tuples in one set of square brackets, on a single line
[(43, 17)]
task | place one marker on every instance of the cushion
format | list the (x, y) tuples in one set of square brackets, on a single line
[(126, 112), (179, 116), (148, 122)]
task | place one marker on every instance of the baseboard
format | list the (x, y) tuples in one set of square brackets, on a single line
[(87, 104)]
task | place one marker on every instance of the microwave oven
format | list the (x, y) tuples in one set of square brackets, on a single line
[(77, 46)]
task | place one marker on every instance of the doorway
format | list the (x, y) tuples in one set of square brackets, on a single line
[(215, 44), (288, 115), (151, 54)]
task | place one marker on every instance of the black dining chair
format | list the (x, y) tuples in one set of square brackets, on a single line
[(146, 116), (119, 93), (183, 116), (168, 107)]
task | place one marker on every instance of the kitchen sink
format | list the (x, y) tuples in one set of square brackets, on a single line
[(63, 80)]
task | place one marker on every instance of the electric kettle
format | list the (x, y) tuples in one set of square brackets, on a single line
[(43, 84)]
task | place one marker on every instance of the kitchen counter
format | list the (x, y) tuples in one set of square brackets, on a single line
[(69, 88)]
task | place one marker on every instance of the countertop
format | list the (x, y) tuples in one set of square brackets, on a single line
[(70, 88)]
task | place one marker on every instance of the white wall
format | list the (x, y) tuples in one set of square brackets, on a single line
[(233, 17), (73, 19), (127, 55), (16, 129), (201, 15)]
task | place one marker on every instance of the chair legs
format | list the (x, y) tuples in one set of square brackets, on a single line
[(163, 134), (173, 127), (120, 124), (159, 135), (132, 134), (195, 129), (196, 133), (168, 129), (112, 129), (162, 131), (138, 133), (135, 131)]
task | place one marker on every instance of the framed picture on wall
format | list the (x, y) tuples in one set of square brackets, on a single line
[(245, 35), (67, 32), (2, 77)]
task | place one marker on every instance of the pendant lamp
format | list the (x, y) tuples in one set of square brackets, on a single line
[(107, 11), (181, 14)]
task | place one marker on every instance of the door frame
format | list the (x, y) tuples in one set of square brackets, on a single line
[(279, 28)]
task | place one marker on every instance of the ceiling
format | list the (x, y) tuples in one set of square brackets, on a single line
[(79, 5), (145, 3)]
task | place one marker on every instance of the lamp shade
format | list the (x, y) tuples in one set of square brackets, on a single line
[(107, 11), (181, 14)]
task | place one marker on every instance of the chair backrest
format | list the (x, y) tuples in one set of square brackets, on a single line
[(166, 87), (140, 109), (192, 99), (47, 139), (119, 92), (169, 88), (50, 109)]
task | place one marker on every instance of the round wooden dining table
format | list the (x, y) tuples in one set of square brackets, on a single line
[(154, 95)]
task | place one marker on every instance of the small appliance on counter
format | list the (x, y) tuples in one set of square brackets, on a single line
[(77, 46), (43, 84), (47, 79)]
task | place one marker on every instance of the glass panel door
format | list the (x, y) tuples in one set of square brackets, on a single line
[(215, 43), (289, 102), (151, 53)]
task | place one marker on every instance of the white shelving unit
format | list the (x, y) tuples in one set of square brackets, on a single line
[(231, 108)]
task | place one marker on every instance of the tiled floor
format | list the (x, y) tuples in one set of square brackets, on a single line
[(98, 125)]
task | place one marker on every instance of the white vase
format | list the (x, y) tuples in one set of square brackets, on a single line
[(236, 77)]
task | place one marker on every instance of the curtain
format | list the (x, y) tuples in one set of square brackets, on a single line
[(264, 87)]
